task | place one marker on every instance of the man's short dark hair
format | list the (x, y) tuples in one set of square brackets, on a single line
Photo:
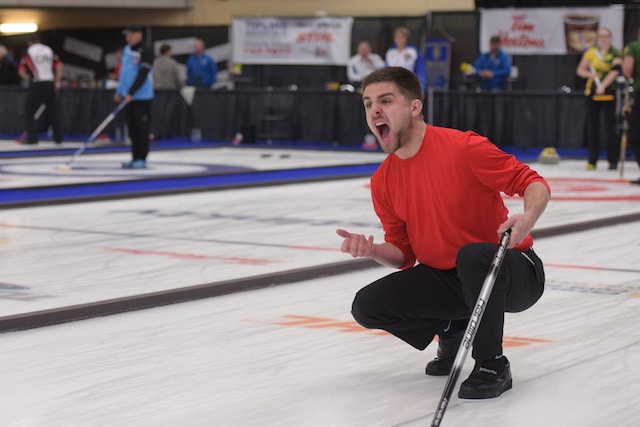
[(495, 39), (407, 82), (133, 28), (164, 49)]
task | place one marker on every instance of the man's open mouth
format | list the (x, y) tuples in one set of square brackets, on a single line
[(383, 130)]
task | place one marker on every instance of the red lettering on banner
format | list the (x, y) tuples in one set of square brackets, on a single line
[(521, 40), (253, 51), (518, 24), (314, 37), (278, 50)]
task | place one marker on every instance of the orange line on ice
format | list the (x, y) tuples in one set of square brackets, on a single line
[(235, 260), (312, 322)]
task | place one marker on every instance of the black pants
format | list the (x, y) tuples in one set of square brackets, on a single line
[(633, 134), (137, 116), (602, 112), (41, 93), (417, 303)]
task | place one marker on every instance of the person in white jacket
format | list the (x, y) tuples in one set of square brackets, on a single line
[(406, 55), (363, 63)]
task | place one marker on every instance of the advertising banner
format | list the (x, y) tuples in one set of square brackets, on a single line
[(550, 31), (437, 56), (300, 41)]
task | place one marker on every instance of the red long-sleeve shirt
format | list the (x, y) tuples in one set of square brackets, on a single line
[(447, 195)]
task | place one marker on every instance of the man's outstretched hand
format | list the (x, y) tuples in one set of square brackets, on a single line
[(356, 244)]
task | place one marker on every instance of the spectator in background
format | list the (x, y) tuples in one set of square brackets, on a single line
[(136, 88), (115, 74), (631, 69), (166, 77), (166, 74), (405, 55), (601, 65), (41, 68), (493, 67), (363, 63), (201, 67), (8, 68)]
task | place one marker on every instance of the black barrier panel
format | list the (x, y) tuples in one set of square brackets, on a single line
[(12, 99), (170, 115), (518, 119), (521, 119), (213, 113)]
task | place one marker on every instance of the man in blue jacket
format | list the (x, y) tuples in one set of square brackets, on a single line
[(136, 87), (493, 67), (201, 67)]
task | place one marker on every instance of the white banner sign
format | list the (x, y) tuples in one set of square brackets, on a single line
[(181, 46), (301, 41), (550, 31), (81, 48)]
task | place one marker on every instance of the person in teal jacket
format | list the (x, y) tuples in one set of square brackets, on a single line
[(136, 87)]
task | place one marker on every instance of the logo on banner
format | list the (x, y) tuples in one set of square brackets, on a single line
[(549, 31), (522, 34), (295, 41)]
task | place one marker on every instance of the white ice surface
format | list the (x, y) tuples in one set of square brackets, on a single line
[(234, 361), (291, 355)]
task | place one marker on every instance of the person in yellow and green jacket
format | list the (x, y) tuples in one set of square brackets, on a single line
[(601, 65), (631, 68)]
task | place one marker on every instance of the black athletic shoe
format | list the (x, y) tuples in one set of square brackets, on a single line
[(636, 181), (488, 379), (448, 343)]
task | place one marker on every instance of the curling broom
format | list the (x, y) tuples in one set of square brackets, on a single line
[(67, 166)]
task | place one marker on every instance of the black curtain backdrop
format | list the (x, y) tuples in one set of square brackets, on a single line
[(521, 119)]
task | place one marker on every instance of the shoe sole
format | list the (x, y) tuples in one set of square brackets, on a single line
[(490, 395), (435, 368), (437, 372)]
